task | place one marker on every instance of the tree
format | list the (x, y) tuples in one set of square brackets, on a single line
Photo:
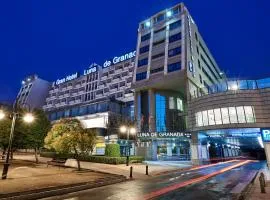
[(5, 126), (35, 133), (68, 136)]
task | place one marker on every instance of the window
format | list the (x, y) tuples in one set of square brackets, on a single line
[(211, 117), (175, 37), (217, 116), (174, 52), (205, 118), (176, 10), (179, 104), (171, 103), (196, 37), (142, 62), (175, 25), (233, 115), (144, 49), (230, 115), (159, 18), (174, 66), (225, 115), (199, 119), (157, 55), (241, 114), (141, 76), (249, 114), (160, 69), (145, 37)]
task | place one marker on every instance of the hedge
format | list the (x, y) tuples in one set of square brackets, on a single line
[(96, 159), (112, 150)]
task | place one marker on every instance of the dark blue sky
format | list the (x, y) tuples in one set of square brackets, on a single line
[(53, 38)]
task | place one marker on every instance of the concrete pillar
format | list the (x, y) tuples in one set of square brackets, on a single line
[(205, 153), (197, 156), (137, 109), (154, 150), (152, 110), (169, 149), (178, 151), (225, 151), (267, 153)]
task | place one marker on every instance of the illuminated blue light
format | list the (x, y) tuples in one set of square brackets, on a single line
[(148, 24), (169, 13)]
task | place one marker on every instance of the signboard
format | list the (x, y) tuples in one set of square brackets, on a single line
[(68, 78), (265, 135), (90, 70), (160, 134), (119, 59)]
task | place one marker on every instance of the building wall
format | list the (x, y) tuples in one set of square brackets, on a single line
[(259, 99)]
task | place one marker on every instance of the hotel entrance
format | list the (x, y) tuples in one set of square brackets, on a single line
[(161, 148), (173, 150)]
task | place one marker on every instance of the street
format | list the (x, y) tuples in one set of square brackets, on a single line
[(209, 182)]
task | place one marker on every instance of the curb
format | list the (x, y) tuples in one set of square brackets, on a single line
[(61, 190)]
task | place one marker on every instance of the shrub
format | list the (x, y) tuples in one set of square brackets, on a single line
[(112, 150), (96, 159)]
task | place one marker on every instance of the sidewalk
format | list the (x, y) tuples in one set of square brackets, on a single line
[(155, 168), (255, 191)]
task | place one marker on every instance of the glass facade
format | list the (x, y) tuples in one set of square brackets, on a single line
[(228, 115), (234, 85), (169, 112), (126, 110)]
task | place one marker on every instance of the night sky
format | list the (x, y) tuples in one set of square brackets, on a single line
[(54, 38)]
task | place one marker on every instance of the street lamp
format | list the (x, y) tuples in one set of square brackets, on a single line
[(129, 130), (28, 118)]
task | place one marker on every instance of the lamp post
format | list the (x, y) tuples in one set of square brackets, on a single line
[(128, 130), (28, 118)]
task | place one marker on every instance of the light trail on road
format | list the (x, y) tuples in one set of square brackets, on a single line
[(192, 181)]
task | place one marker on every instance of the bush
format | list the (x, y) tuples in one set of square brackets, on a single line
[(96, 159), (112, 150)]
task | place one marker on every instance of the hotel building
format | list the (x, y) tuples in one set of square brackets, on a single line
[(182, 103)]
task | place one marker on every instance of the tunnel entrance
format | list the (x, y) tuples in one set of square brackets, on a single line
[(233, 143)]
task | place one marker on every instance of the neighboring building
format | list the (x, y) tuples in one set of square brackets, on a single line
[(95, 95), (172, 65), (33, 92)]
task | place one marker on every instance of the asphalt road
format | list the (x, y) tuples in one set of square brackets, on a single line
[(212, 182)]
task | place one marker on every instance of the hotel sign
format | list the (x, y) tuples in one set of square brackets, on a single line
[(68, 78), (119, 59), (265, 135), (160, 134)]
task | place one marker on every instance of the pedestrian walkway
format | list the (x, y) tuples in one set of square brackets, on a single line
[(139, 170), (255, 191)]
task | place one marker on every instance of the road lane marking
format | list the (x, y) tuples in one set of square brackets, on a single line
[(191, 181)]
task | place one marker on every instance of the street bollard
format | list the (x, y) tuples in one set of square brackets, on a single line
[(131, 171), (146, 170), (263, 179), (262, 183)]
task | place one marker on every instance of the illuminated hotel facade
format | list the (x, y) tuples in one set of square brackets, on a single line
[(183, 105)]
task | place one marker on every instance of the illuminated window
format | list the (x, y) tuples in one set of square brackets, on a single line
[(211, 117), (249, 114), (205, 118), (225, 115), (230, 115), (233, 115), (217, 116), (199, 119), (179, 104), (171, 103), (241, 114)]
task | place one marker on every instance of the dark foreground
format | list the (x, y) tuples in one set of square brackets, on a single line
[(212, 182)]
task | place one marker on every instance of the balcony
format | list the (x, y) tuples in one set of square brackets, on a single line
[(116, 80), (69, 87), (129, 95), (118, 71), (113, 90), (104, 78)]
